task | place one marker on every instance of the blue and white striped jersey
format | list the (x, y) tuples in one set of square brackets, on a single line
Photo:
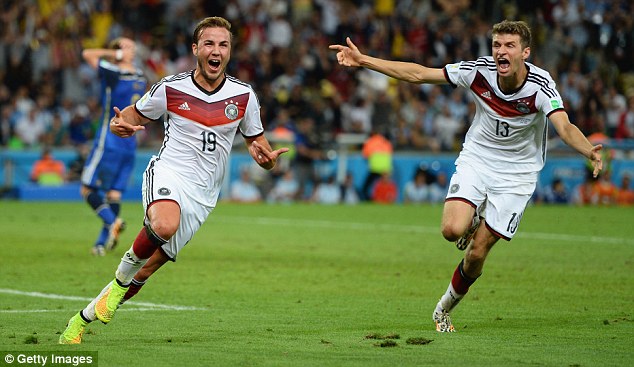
[(119, 88)]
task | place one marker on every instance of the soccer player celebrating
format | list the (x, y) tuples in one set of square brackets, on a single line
[(109, 165), (504, 149), (205, 108)]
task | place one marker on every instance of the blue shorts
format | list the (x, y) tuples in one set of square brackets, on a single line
[(108, 169)]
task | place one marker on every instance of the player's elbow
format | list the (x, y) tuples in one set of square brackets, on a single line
[(90, 57)]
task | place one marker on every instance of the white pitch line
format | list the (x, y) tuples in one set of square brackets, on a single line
[(86, 299), (136, 309), (32, 311), (410, 228)]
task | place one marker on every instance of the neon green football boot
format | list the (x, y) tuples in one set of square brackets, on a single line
[(74, 330), (107, 305)]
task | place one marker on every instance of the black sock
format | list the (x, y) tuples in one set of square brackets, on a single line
[(81, 314), (115, 206), (94, 200)]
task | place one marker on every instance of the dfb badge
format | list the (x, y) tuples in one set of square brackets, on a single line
[(231, 111), (454, 188), (164, 191), (523, 107)]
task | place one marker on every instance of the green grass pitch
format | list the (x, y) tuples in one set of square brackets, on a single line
[(308, 285)]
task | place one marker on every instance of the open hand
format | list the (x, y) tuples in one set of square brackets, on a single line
[(596, 159)]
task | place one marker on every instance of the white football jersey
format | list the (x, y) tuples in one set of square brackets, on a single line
[(509, 131), (200, 126)]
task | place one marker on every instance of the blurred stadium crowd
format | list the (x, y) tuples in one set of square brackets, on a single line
[(48, 96)]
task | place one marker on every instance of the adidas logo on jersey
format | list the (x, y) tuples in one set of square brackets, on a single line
[(184, 107), (486, 94)]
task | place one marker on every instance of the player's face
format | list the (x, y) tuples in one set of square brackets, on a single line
[(213, 52), (509, 55)]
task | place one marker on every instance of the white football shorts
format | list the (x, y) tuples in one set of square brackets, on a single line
[(195, 203), (499, 200)]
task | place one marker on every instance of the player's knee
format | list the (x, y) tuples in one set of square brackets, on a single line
[(450, 231), (113, 196), (163, 228)]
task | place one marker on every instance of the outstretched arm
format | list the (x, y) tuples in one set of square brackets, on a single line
[(572, 136), (407, 71), (262, 153)]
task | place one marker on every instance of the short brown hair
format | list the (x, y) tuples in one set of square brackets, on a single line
[(115, 44), (515, 27), (211, 22)]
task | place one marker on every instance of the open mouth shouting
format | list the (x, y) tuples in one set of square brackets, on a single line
[(504, 65), (214, 65)]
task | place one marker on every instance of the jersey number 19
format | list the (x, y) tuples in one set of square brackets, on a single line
[(209, 141)]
